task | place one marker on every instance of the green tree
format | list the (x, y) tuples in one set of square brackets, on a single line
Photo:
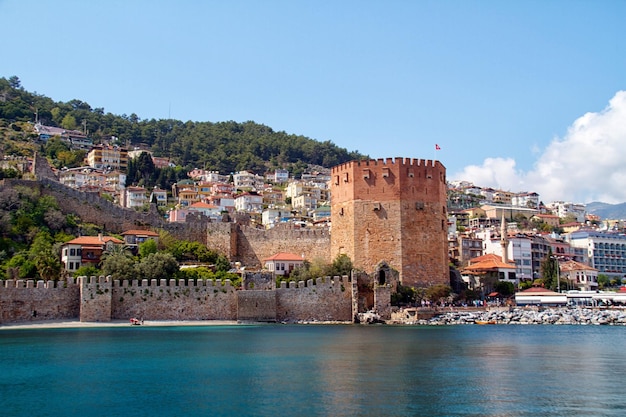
[(69, 122), (404, 295), (184, 250), (603, 281), (20, 266), (87, 271), (45, 258), (118, 263), (505, 288), (550, 271), (342, 265), (158, 266), (14, 82), (438, 292), (222, 264), (148, 247)]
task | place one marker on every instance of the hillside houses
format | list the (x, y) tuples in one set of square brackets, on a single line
[(533, 230), (519, 229), (269, 200), (75, 138)]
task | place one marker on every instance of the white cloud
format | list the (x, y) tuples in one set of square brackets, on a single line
[(587, 164)]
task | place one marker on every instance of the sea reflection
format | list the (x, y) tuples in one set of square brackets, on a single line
[(295, 370)]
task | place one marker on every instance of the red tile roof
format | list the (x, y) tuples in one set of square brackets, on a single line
[(94, 240), (284, 256), (140, 233)]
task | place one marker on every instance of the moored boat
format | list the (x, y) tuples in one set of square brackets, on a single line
[(484, 322)]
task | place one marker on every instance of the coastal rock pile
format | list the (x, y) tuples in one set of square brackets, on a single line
[(581, 316)]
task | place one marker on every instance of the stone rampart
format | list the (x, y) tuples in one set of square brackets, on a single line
[(27, 300), (382, 301), (255, 245), (322, 299), (174, 300), (242, 243), (101, 299), (95, 299), (256, 305), (91, 208)]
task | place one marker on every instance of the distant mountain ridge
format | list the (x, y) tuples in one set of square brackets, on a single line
[(607, 211)]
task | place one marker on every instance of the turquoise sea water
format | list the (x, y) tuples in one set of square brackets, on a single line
[(298, 370)]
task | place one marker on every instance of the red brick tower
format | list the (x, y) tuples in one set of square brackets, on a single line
[(392, 210)]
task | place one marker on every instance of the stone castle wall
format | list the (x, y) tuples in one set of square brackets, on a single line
[(27, 300), (322, 299), (256, 305), (172, 300), (91, 208), (238, 242), (95, 299), (392, 210), (100, 299), (254, 245)]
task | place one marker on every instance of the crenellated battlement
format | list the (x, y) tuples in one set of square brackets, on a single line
[(39, 284), (30, 300), (144, 283), (103, 299), (328, 282), (397, 162)]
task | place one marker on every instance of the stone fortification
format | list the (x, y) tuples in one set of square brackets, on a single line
[(95, 299), (172, 300), (41, 168), (27, 300), (322, 299), (238, 242), (91, 208), (253, 245), (101, 299), (392, 210), (256, 305)]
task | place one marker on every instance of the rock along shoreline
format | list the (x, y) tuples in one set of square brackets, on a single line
[(524, 316)]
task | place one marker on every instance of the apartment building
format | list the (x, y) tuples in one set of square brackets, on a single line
[(606, 250), (108, 157)]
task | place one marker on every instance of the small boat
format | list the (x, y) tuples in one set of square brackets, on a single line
[(135, 322), (484, 322)]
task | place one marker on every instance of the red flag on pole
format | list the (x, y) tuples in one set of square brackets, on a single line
[(437, 147)]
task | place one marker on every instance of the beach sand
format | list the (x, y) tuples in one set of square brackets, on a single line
[(60, 324)]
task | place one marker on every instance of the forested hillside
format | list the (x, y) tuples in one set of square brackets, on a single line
[(225, 146)]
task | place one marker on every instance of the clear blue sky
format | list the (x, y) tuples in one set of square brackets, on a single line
[(499, 85)]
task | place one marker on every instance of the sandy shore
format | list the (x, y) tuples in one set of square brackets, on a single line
[(60, 324)]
